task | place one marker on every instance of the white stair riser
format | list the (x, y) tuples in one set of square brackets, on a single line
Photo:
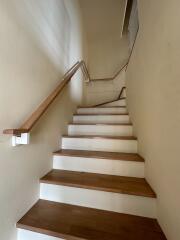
[(102, 166), (116, 103), (99, 110), (100, 144), (101, 119), (117, 202), (28, 235), (106, 130)]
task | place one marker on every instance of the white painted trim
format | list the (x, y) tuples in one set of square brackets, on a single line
[(100, 144), (101, 110), (29, 235), (122, 203), (101, 119), (100, 129), (102, 166)]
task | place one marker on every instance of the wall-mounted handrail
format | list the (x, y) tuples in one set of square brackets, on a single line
[(122, 68), (111, 78), (35, 116)]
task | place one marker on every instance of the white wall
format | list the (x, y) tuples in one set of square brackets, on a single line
[(153, 94), (39, 41)]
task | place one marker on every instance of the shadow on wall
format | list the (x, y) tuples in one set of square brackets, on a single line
[(40, 40), (40, 18), (39, 50)]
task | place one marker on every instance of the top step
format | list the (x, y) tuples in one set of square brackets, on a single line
[(101, 118), (102, 110)]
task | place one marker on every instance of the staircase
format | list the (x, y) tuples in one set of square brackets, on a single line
[(97, 189)]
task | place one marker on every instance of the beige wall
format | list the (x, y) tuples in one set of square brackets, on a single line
[(97, 92), (105, 58), (107, 55), (107, 51), (39, 41), (103, 17), (153, 90)]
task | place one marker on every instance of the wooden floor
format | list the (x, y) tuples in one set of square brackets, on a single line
[(102, 182), (73, 222), (100, 155)]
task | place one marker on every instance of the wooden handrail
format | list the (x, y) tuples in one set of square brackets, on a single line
[(35, 116)]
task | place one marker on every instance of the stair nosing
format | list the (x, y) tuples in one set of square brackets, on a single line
[(126, 138), (101, 114), (103, 124), (102, 155)]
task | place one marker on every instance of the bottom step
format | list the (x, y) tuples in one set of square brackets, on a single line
[(63, 221)]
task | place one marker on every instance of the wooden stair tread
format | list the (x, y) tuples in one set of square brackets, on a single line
[(102, 182), (101, 114), (103, 124), (100, 155), (103, 107), (75, 222), (101, 137)]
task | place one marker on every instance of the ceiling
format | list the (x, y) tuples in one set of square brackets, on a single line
[(102, 17)]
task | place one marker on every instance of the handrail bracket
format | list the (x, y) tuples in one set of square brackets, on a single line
[(21, 139)]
